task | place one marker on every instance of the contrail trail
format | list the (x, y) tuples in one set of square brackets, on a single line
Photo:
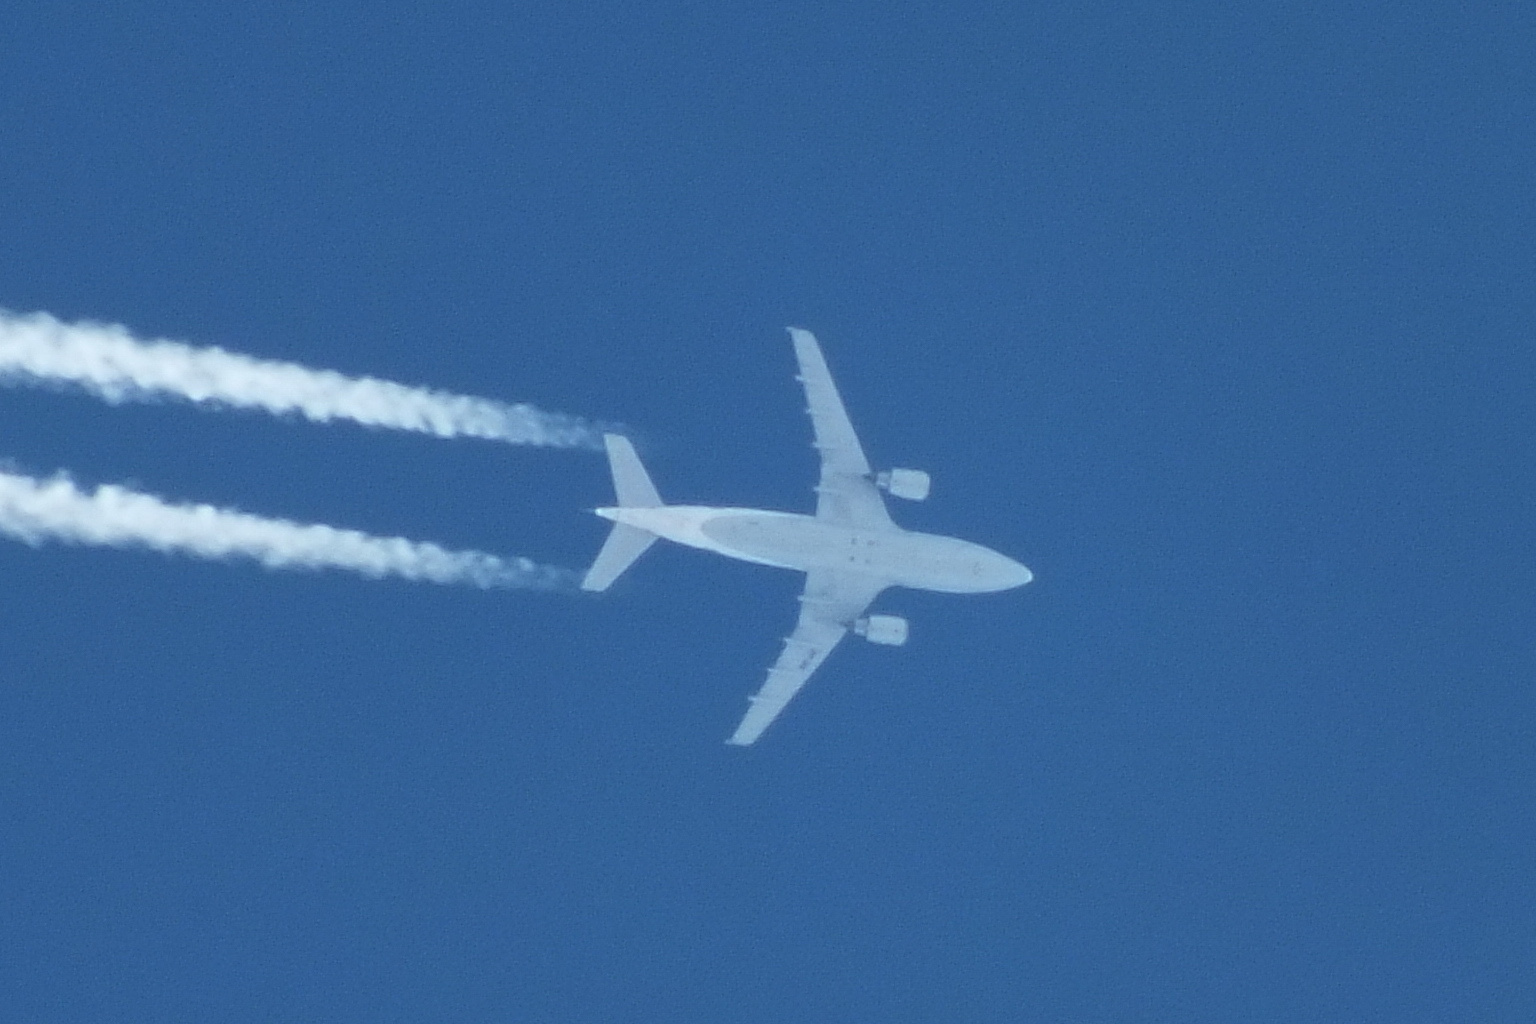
[(35, 511), (107, 361)]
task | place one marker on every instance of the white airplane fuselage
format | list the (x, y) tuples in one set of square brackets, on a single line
[(787, 540)]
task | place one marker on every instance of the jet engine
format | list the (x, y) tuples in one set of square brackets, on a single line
[(911, 484), (890, 630)]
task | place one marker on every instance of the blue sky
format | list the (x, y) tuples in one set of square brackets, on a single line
[(1217, 318)]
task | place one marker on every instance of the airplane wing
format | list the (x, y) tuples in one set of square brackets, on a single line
[(832, 600), (845, 493)]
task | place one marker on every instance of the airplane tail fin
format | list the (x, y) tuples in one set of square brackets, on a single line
[(634, 489)]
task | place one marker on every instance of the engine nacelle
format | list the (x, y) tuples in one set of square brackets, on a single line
[(911, 484), (890, 630)]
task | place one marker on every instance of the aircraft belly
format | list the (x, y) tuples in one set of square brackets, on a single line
[(772, 538), (786, 540), (806, 543)]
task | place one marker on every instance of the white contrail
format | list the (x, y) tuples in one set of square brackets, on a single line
[(107, 361), (35, 511)]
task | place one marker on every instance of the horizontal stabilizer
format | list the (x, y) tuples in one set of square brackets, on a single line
[(625, 544), (630, 481), (632, 484)]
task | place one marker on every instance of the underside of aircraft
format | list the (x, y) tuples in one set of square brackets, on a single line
[(849, 549)]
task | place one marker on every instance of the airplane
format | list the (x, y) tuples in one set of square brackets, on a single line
[(849, 550)]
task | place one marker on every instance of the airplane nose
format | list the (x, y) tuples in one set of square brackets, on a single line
[(1018, 574), (999, 572)]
